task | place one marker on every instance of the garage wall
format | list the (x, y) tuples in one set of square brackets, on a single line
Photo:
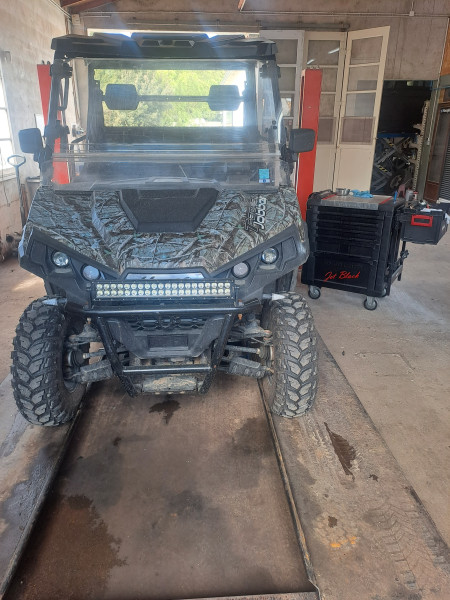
[(436, 97), (26, 30), (415, 44)]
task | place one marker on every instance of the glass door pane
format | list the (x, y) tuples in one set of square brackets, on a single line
[(359, 100), (323, 52), (366, 50), (290, 60), (326, 54), (286, 52), (287, 79), (363, 78)]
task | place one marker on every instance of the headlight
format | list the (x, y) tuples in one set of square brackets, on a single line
[(240, 270), (269, 256), (60, 259), (90, 273)]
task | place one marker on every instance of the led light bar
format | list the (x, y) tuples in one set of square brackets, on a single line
[(172, 289)]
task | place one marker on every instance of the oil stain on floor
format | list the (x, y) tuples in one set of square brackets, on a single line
[(68, 523), (344, 451), (167, 408)]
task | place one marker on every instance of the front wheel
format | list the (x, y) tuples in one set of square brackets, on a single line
[(314, 292), (291, 385), (43, 365), (370, 303)]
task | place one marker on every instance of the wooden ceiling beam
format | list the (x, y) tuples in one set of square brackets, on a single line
[(76, 6)]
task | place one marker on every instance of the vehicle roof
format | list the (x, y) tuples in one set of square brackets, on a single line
[(162, 45)]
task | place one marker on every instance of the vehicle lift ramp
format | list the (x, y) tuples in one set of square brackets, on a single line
[(202, 497)]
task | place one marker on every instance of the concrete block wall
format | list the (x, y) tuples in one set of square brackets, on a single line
[(26, 30)]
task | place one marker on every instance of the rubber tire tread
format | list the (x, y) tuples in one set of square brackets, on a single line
[(37, 378), (293, 385)]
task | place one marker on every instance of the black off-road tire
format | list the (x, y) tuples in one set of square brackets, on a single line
[(291, 389), (41, 393)]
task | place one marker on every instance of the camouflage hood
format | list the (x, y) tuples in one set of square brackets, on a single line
[(95, 225)]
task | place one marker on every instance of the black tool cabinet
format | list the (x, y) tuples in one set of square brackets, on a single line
[(354, 244)]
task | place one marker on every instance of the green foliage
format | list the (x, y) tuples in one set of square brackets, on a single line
[(163, 82)]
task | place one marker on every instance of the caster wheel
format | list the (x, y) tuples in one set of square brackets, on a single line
[(384, 293), (314, 292), (370, 303)]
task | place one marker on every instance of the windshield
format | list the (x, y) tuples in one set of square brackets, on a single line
[(162, 97), (144, 120)]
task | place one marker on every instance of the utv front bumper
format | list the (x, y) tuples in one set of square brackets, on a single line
[(112, 321)]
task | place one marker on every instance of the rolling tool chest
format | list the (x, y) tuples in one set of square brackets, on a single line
[(355, 242)]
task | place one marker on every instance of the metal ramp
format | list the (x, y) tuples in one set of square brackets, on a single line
[(182, 498)]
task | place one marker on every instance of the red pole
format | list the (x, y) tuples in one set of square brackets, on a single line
[(309, 118), (60, 172)]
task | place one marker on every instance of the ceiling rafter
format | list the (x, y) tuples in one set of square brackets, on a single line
[(77, 6)]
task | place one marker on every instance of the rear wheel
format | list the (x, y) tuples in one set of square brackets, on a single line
[(290, 388), (43, 365)]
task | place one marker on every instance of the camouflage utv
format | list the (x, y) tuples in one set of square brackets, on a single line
[(166, 228)]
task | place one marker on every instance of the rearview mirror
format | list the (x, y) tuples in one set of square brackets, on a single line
[(30, 140), (224, 97), (121, 96), (302, 140)]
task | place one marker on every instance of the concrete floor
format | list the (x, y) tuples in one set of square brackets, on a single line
[(396, 359)]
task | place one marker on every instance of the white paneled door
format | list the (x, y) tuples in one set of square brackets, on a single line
[(362, 87), (352, 67), (290, 60), (326, 51)]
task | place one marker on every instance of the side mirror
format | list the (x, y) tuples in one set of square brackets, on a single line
[(302, 140), (30, 140)]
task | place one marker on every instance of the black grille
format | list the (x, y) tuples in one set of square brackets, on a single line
[(168, 341), (170, 322)]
